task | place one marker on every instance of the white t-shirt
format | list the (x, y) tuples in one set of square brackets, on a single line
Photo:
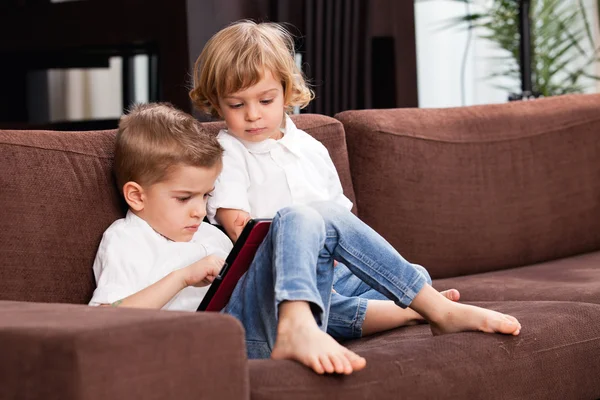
[(133, 256), (263, 177)]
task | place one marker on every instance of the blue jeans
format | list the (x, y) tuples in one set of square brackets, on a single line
[(348, 306), (295, 263)]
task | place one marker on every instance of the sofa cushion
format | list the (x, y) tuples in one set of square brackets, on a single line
[(556, 356), (475, 189), (57, 198), (568, 279)]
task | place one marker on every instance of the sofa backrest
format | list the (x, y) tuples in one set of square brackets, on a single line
[(57, 196), (475, 189)]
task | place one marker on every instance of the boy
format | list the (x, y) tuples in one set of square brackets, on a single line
[(161, 255)]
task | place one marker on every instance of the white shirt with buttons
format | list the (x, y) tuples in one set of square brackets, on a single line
[(133, 256), (263, 177)]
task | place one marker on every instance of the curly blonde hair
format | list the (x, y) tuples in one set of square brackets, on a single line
[(236, 58)]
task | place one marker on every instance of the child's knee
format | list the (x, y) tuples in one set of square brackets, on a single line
[(299, 215), (423, 272), (329, 209)]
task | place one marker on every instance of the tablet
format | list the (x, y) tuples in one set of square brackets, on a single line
[(237, 263)]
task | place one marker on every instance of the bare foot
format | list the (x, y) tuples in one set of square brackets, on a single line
[(465, 317), (300, 339), (448, 317), (451, 294), (383, 315)]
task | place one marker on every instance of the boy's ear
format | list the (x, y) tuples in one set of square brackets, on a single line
[(134, 195)]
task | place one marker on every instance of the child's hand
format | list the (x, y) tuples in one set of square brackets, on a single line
[(240, 222), (233, 220), (203, 272)]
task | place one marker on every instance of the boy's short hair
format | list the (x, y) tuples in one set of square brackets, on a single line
[(154, 138), (236, 57)]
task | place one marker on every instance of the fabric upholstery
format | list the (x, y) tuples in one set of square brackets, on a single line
[(501, 202), (68, 352), (57, 199), (475, 189), (554, 357), (567, 279)]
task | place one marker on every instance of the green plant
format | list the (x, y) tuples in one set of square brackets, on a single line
[(563, 44)]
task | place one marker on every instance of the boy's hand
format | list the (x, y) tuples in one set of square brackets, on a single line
[(203, 271)]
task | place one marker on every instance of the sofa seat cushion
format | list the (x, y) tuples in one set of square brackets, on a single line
[(568, 279), (556, 356)]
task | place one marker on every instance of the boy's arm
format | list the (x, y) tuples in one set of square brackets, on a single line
[(200, 273), (233, 221)]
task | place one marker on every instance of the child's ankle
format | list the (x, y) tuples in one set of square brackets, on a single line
[(432, 305), (293, 314)]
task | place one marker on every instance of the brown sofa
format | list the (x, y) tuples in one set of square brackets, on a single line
[(501, 202)]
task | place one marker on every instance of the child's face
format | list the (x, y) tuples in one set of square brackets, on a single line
[(256, 113), (176, 206)]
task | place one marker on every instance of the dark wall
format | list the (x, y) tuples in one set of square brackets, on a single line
[(383, 74), (207, 17), (379, 41), (395, 19)]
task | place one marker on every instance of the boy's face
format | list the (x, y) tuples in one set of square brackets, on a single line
[(256, 113), (176, 206)]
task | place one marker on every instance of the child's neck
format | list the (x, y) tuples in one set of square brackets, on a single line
[(140, 215)]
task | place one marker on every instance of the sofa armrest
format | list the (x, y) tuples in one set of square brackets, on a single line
[(60, 351)]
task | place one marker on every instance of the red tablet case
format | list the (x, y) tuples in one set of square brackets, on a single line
[(237, 263)]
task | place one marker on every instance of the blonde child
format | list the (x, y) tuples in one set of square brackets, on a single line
[(246, 75)]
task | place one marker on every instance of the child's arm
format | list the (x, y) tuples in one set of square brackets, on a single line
[(230, 196), (200, 273), (233, 221)]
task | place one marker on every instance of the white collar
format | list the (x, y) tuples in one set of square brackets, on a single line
[(135, 220), (288, 140)]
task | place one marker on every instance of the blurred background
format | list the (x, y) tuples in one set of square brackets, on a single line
[(78, 64)]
